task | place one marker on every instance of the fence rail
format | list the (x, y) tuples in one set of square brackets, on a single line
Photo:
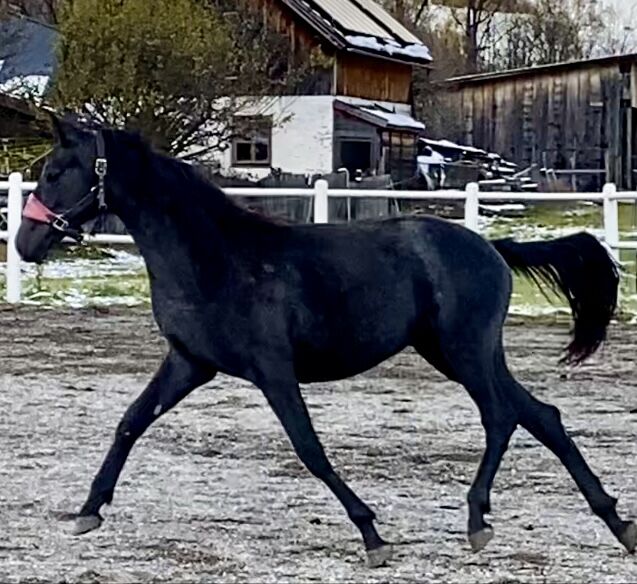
[(320, 195)]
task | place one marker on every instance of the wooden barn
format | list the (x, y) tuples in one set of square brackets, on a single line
[(576, 122), (355, 113)]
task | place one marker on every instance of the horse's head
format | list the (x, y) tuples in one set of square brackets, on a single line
[(69, 192)]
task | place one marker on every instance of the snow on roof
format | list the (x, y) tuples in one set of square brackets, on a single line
[(379, 115), (361, 25), (394, 119), (453, 145), (392, 48)]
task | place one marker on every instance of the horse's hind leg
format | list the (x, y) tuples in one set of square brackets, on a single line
[(499, 421), (174, 380), (544, 422)]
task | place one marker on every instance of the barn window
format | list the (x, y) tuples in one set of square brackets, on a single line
[(252, 146), (400, 151)]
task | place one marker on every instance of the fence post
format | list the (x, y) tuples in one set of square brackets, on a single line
[(611, 218), (471, 206), (13, 223), (321, 201)]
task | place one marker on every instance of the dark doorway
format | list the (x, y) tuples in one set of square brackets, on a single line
[(356, 155)]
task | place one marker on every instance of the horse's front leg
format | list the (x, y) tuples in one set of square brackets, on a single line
[(174, 380)]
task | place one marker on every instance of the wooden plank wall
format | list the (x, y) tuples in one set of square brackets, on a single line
[(356, 75), (370, 78), (303, 41), (563, 119)]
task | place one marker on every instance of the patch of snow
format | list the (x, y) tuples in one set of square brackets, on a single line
[(74, 298), (25, 86), (535, 310), (390, 46), (504, 207), (121, 263)]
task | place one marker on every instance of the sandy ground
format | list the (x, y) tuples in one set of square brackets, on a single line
[(213, 491)]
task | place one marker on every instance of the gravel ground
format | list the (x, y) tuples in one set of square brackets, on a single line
[(213, 491)]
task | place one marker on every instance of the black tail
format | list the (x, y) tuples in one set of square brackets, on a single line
[(579, 268)]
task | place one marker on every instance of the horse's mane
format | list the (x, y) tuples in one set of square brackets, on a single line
[(168, 171)]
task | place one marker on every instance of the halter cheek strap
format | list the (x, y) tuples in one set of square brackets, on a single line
[(37, 211), (101, 166)]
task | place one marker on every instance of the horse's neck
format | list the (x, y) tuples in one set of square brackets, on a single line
[(180, 241)]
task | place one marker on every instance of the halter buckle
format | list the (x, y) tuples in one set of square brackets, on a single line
[(60, 223), (101, 165)]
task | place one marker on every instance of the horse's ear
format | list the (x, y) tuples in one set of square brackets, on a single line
[(64, 133)]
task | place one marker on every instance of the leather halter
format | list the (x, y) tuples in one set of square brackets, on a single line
[(36, 210)]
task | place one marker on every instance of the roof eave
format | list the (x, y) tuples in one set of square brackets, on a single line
[(317, 24), (538, 69), (428, 64), (370, 118)]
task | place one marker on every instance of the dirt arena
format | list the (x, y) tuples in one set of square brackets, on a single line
[(213, 492)]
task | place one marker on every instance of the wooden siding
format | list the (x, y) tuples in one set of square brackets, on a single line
[(369, 78), (564, 119), (303, 40), (356, 75)]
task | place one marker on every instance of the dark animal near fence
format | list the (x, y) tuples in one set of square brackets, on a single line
[(279, 304)]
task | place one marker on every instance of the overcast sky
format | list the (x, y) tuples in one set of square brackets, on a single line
[(625, 8)]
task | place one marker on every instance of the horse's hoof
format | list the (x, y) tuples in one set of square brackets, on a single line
[(86, 523), (379, 557), (480, 539), (629, 537)]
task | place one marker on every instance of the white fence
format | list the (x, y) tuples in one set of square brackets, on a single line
[(320, 195)]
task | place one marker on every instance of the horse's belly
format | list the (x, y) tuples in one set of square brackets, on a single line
[(343, 360)]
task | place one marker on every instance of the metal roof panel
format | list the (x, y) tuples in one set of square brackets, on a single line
[(349, 16), (388, 21)]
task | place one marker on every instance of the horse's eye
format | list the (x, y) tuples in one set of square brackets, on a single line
[(53, 174)]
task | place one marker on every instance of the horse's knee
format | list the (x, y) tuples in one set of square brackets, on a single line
[(127, 430)]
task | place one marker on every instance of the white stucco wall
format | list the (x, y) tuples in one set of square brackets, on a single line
[(302, 134)]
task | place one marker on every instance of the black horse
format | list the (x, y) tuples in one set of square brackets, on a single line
[(279, 304)]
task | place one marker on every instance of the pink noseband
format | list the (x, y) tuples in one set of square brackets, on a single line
[(36, 210)]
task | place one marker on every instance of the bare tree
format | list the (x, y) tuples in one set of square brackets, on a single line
[(620, 32), (178, 71), (482, 23), (553, 31)]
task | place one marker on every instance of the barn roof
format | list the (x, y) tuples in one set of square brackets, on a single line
[(539, 69), (361, 26), (379, 116)]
